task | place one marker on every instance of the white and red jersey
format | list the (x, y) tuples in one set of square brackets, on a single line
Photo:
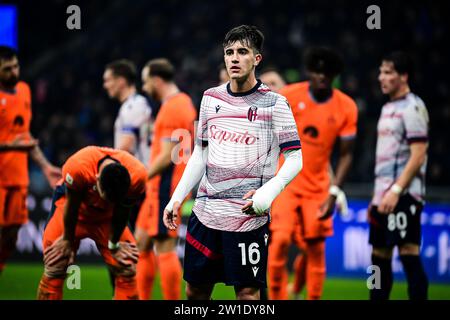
[(245, 133), (402, 122)]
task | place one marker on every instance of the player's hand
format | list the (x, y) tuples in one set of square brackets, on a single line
[(341, 203), (23, 142), (388, 203), (327, 208), (248, 207), (170, 216), (60, 250), (53, 174), (127, 254)]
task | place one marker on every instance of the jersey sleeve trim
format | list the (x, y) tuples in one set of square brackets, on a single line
[(295, 144)]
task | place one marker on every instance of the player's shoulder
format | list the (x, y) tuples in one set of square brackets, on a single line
[(297, 89), (217, 90), (344, 99), (137, 102), (23, 88)]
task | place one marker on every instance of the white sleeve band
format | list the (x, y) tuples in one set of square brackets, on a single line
[(264, 196), (192, 174)]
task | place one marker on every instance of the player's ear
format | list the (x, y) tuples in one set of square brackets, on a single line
[(258, 58)]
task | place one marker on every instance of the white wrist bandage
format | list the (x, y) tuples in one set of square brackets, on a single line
[(396, 189)]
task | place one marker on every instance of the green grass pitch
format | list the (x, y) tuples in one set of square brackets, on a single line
[(19, 282)]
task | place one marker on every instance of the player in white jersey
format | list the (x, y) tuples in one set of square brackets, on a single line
[(401, 157), (131, 128), (243, 126)]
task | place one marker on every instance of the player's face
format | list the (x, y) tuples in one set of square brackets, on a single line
[(273, 80), (9, 72), (147, 83), (319, 81), (111, 83), (240, 60), (390, 80)]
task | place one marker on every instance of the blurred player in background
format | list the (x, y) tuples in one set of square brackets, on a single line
[(303, 211), (16, 143), (223, 74), (273, 79), (243, 127), (100, 188), (171, 147), (400, 166), (132, 125)]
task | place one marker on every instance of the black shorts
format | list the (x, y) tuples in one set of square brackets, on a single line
[(234, 258), (398, 228)]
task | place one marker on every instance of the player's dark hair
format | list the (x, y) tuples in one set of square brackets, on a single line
[(7, 53), (124, 68), (161, 67), (323, 60), (115, 181), (402, 61), (248, 35)]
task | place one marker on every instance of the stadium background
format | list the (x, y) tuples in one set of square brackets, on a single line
[(71, 110)]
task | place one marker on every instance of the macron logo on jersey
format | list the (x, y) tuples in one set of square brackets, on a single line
[(69, 179), (235, 137)]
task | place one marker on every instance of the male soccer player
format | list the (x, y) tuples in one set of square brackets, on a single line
[(303, 211), (401, 157), (16, 143), (243, 126), (100, 187), (171, 147), (131, 128), (273, 79)]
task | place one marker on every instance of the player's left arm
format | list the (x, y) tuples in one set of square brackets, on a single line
[(163, 160), (52, 173), (127, 142), (415, 161), (345, 160)]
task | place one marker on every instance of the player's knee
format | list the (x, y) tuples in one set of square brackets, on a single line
[(384, 253), (143, 240), (280, 242), (124, 271), (56, 270), (247, 294), (164, 245), (409, 249)]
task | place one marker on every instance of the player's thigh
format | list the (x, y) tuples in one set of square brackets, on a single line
[(13, 206), (203, 254), (397, 228), (284, 213), (245, 257), (155, 223), (311, 227)]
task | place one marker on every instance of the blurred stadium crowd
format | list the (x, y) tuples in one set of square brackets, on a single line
[(64, 68)]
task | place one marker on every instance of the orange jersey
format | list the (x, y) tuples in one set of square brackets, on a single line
[(174, 122), (15, 118), (79, 174), (319, 124)]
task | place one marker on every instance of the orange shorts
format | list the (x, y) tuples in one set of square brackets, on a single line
[(13, 206), (99, 232), (150, 217), (298, 215)]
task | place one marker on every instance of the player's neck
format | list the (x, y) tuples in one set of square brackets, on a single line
[(401, 92), (322, 95), (126, 93), (243, 85), (169, 90)]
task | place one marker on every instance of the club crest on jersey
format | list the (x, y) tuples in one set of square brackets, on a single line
[(252, 114), (69, 179)]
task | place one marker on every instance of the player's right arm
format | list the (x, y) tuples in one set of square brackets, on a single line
[(20, 143)]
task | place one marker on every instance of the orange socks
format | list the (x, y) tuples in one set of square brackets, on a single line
[(145, 274), (315, 269), (277, 271), (299, 273), (50, 288), (170, 270), (126, 288)]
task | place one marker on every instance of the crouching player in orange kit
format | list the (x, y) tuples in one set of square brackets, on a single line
[(100, 187), (303, 211)]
